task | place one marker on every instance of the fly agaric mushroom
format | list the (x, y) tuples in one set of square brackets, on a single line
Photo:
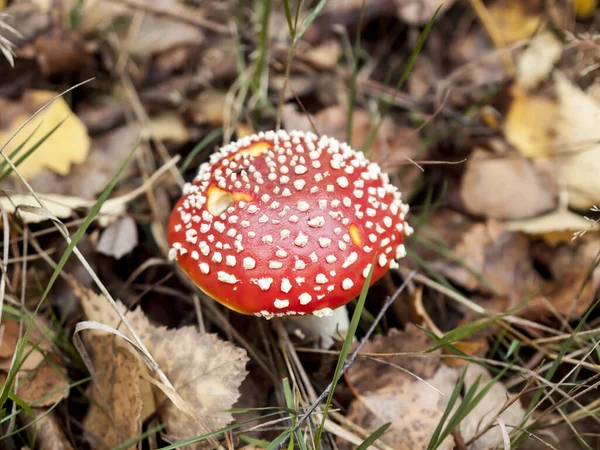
[(282, 223)]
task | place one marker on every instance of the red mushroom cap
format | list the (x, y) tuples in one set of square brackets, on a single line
[(285, 223)]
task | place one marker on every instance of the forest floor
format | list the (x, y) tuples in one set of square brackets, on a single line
[(484, 115)]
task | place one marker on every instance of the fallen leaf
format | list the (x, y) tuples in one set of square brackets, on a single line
[(205, 371), (68, 145), (530, 124), (585, 9), (116, 403), (487, 410), (413, 408), (169, 127), (537, 61), (389, 391), (60, 206), (513, 20), (555, 227), (46, 427), (209, 107), (45, 386), (519, 188), (119, 239), (35, 348), (578, 154)]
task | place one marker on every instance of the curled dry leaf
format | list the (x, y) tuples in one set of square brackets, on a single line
[(69, 144), (521, 188), (116, 401), (205, 370)]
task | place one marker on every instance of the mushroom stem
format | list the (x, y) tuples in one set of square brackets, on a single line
[(327, 329)]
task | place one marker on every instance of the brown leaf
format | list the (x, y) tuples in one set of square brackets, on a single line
[(205, 371), (413, 408), (47, 430), (116, 402), (506, 187), (488, 409), (45, 386), (367, 375)]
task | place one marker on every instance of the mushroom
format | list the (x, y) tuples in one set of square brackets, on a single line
[(287, 223)]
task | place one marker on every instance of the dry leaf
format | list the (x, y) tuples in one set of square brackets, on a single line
[(530, 124), (413, 408), (578, 148), (389, 393), (119, 239), (9, 342), (506, 187), (536, 62), (585, 9), (169, 127), (513, 21), (68, 145), (61, 206), (556, 227), (47, 430), (487, 410), (205, 370), (46, 385), (116, 402)]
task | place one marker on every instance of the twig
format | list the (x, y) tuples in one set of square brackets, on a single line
[(354, 355)]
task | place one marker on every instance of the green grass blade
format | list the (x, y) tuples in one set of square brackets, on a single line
[(288, 17), (374, 436), (435, 441), (313, 15), (18, 355), (20, 147), (345, 349), (257, 442)]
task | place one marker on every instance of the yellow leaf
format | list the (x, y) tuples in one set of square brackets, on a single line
[(584, 9), (69, 144), (514, 23), (529, 124)]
